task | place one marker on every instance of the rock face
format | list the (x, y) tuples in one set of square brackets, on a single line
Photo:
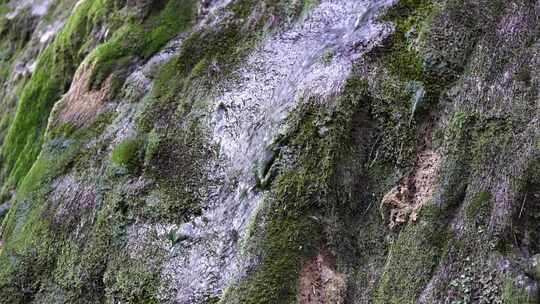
[(270, 151)]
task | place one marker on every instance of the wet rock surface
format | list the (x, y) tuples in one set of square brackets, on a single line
[(238, 151)]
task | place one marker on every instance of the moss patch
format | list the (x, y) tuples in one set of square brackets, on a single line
[(412, 258), (303, 194), (52, 77), (514, 295), (128, 153), (25, 228), (140, 40), (407, 16), (478, 205), (214, 52)]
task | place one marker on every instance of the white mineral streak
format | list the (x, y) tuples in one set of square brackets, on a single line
[(281, 72)]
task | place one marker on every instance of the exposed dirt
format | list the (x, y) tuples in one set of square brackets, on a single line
[(407, 198), (80, 104), (319, 281)]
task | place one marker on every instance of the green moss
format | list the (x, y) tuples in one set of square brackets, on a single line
[(327, 57), (407, 16), (100, 270), (75, 270), (25, 229), (287, 243), (218, 50), (128, 153), (133, 283), (308, 5), (80, 268), (412, 258), (457, 29), (140, 40), (459, 122), (478, 205), (512, 294), (200, 68), (211, 300), (152, 147), (303, 193), (16, 32), (470, 260), (52, 77), (175, 157), (417, 68), (391, 110), (50, 163), (34, 235), (403, 91), (536, 266), (491, 135), (431, 44), (223, 47)]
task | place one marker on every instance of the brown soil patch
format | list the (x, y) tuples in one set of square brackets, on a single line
[(80, 105), (407, 198), (319, 282)]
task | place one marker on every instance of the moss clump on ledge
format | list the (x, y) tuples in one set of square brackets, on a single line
[(128, 153)]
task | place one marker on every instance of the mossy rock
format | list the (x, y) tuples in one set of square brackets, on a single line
[(128, 153), (478, 206), (52, 77)]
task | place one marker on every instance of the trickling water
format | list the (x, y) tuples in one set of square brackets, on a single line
[(291, 66), (312, 59), (37, 8)]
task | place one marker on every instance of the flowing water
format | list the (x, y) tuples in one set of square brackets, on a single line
[(311, 59)]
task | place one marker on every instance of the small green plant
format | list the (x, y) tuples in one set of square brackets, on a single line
[(174, 237), (327, 57), (264, 173)]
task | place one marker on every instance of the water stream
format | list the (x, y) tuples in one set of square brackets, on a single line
[(311, 59)]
